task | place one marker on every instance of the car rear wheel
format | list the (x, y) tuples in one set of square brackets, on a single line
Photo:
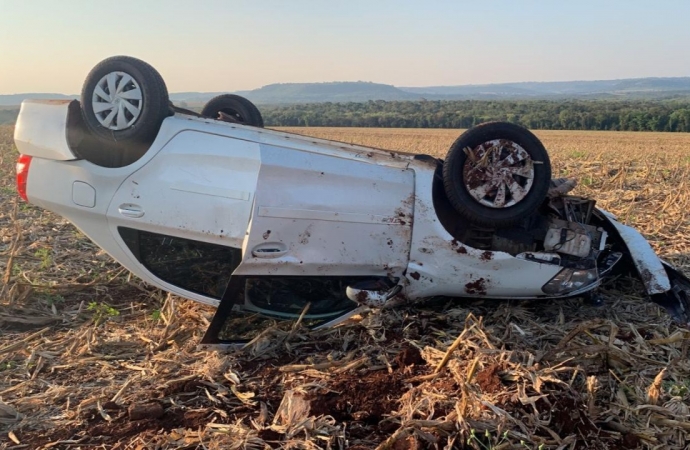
[(124, 100), (233, 108), (496, 174)]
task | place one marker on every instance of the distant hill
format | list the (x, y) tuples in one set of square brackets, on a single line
[(193, 97), (360, 91), (17, 99), (631, 88)]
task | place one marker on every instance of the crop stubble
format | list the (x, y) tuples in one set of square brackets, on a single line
[(557, 374)]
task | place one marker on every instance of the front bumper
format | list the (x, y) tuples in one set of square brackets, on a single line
[(648, 265)]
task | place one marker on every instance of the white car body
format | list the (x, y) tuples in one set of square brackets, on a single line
[(288, 205)]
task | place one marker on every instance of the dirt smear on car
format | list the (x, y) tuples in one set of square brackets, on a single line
[(476, 287)]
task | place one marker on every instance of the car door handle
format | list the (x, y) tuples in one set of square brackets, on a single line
[(269, 250), (131, 210)]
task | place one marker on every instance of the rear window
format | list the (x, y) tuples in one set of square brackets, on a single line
[(195, 266)]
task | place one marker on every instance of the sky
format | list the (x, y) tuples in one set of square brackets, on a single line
[(230, 45)]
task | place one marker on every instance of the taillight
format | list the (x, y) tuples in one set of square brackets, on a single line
[(23, 175)]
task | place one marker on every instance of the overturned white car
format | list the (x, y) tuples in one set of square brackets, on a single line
[(216, 208)]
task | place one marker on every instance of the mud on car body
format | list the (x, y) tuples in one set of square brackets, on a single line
[(216, 208)]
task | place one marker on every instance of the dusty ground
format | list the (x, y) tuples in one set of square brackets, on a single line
[(90, 357)]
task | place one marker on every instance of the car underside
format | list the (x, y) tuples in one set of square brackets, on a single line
[(264, 223)]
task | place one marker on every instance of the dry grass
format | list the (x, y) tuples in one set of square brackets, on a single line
[(447, 374)]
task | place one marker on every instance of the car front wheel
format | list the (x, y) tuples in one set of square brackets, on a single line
[(496, 174)]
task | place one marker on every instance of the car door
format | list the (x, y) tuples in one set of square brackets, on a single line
[(320, 213), (183, 216)]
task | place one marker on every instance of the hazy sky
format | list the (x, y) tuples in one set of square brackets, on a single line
[(204, 45)]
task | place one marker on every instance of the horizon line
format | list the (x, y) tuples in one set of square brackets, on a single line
[(399, 87)]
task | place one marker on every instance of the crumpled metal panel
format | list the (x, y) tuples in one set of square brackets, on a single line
[(647, 263), (441, 265)]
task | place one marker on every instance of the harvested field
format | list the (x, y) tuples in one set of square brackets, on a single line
[(90, 357)]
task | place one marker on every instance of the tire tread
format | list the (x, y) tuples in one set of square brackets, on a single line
[(246, 108), (468, 207)]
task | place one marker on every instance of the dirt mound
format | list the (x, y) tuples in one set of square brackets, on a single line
[(364, 397), (409, 356), (488, 379)]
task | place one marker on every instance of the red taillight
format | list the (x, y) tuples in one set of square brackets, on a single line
[(22, 175)]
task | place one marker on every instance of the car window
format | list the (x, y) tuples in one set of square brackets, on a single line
[(195, 266)]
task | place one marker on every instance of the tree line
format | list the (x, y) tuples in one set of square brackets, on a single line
[(623, 115), (8, 115)]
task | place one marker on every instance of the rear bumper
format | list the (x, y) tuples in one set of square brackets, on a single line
[(42, 128)]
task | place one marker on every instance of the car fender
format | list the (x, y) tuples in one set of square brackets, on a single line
[(649, 266)]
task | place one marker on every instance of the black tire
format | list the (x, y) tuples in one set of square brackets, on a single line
[(153, 105), (238, 108), (460, 173)]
